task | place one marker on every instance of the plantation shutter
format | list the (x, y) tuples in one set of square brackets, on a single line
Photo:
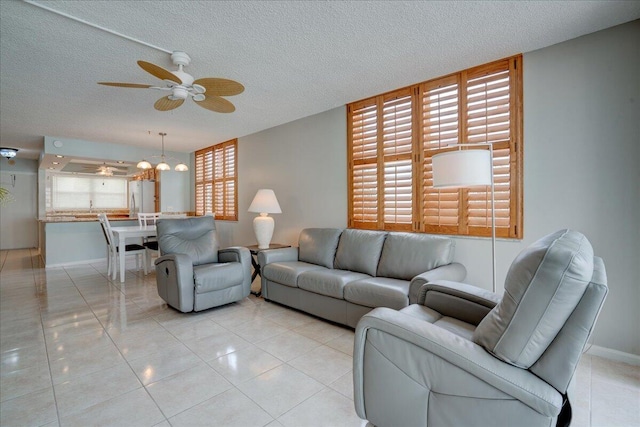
[(363, 162), (397, 150), (393, 137), (490, 98), (440, 128), (216, 181)]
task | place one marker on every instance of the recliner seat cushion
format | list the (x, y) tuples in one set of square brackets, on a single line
[(193, 236), (214, 277), (359, 250), (287, 272), (405, 255), (318, 245), (328, 282), (543, 286), (378, 292)]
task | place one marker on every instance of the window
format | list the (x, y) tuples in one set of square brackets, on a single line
[(392, 138), (85, 192), (217, 181)]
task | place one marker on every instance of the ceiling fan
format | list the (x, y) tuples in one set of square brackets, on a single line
[(206, 92), (104, 169)]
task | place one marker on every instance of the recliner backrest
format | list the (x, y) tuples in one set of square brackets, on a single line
[(195, 237), (544, 285), (559, 362)]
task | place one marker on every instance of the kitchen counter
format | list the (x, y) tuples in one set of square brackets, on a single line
[(72, 218)]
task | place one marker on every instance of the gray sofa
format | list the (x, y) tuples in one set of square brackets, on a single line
[(341, 275)]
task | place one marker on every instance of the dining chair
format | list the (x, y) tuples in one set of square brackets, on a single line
[(113, 250), (150, 243)]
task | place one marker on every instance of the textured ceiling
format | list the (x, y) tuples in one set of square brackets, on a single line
[(294, 58)]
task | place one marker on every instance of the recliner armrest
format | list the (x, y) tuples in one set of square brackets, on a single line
[(238, 254), (174, 279), (454, 271), (455, 350), (269, 256), (458, 300), (235, 254)]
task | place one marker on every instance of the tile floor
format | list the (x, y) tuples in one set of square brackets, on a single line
[(79, 350)]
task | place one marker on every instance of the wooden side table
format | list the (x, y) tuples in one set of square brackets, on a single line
[(254, 261)]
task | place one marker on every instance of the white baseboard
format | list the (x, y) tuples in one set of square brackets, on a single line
[(619, 356), (69, 264)]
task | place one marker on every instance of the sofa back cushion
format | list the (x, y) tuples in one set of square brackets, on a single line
[(544, 285), (318, 245), (405, 255), (359, 250), (195, 237)]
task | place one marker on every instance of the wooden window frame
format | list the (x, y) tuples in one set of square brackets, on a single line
[(215, 178), (498, 119)]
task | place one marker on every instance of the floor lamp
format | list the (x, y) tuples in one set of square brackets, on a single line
[(469, 167)]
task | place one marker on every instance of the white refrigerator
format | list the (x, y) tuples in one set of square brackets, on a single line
[(142, 196)]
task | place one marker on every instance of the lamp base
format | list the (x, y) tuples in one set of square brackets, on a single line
[(263, 226)]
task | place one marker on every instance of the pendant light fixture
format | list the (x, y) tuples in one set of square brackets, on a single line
[(163, 165)]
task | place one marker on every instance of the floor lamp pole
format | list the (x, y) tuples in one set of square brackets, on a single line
[(493, 221)]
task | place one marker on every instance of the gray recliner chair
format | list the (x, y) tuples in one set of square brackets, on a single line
[(193, 274), (464, 357)]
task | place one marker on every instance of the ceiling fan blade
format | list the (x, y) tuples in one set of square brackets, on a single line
[(220, 87), (217, 104), (159, 72), (166, 104), (133, 85)]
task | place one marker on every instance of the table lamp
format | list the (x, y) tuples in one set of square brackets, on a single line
[(264, 203)]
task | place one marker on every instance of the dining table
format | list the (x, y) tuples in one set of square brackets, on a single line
[(130, 232)]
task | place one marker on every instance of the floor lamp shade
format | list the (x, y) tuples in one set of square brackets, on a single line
[(461, 168), (264, 203)]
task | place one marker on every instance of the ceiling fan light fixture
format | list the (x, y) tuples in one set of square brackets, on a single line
[(181, 167), (7, 152), (143, 164), (179, 92)]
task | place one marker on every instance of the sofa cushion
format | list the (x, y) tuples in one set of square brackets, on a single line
[(405, 255), (328, 282), (543, 286), (318, 245), (378, 292), (287, 272), (359, 250), (214, 277)]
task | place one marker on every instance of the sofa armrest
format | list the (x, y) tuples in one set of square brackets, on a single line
[(454, 271), (174, 278), (238, 254), (269, 256), (462, 359)]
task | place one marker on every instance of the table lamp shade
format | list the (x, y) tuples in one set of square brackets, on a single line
[(462, 168), (264, 203)]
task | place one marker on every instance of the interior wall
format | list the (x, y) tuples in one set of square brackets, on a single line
[(305, 163), (582, 150), (581, 156), (18, 225)]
